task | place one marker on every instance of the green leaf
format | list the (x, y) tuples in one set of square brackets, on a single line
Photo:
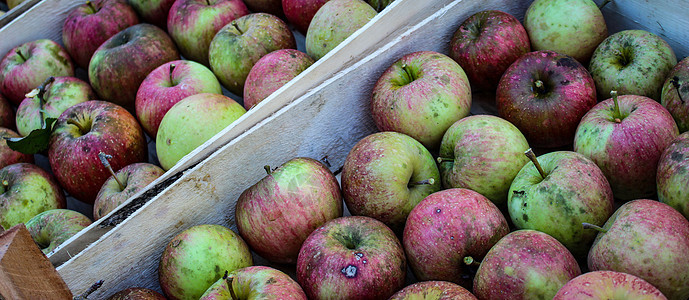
[(36, 141)]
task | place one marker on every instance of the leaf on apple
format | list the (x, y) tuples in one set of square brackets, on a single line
[(37, 141)]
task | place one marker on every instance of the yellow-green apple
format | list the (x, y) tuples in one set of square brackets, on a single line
[(197, 257), (191, 122), (137, 293), (672, 178), (334, 22), (385, 175), (26, 66), (265, 211), (127, 181), (88, 25), (255, 282), (421, 95), (168, 84), (570, 27), (558, 191), (675, 94), (433, 290), (121, 63), (273, 7), (192, 24), (625, 138), (83, 131), (352, 257), (485, 44), (609, 285), (27, 190), (525, 264), (51, 228), (9, 156), (240, 44), (482, 153), (545, 94), (153, 11), (648, 239), (633, 62), (300, 12), (59, 94), (271, 72), (7, 115), (446, 228)]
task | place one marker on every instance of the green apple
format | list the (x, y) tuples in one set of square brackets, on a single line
[(334, 22), (25, 191), (51, 228)]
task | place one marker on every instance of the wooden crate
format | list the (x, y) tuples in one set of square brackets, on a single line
[(321, 114)]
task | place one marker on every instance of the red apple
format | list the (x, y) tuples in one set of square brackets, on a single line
[(51, 228), (9, 156), (153, 11), (433, 290), (300, 12), (545, 94), (273, 7), (351, 258), (608, 285), (132, 178), (168, 84), (89, 25), (485, 44), (271, 72), (83, 131)]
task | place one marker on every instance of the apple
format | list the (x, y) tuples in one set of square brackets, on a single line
[(385, 175), (300, 12), (333, 23), (59, 94), (137, 293), (446, 228), (608, 285), (53, 227), (485, 44), (545, 94), (6, 114), (570, 27), (421, 94), (255, 282), (634, 62), (433, 290), (9, 156), (191, 122), (556, 193), (625, 138), (273, 7), (26, 66), (90, 24), (525, 264), (265, 211), (197, 257), (240, 44), (271, 72), (647, 239), (126, 183), (83, 131), (168, 84), (25, 191), (121, 63), (675, 94), (353, 257), (153, 11), (672, 178), (14, 3), (379, 5), (192, 24), (482, 153)]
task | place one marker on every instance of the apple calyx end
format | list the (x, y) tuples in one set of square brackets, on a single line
[(593, 226), (532, 156), (104, 160)]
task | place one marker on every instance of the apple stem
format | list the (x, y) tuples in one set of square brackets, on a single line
[(267, 168), (470, 261), (592, 226), (444, 159), (41, 91), (104, 160), (172, 68), (230, 281), (5, 184), (88, 292), (604, 4), (539, 87), (19, 52), (430, 181), (529, 153), (409, 74), (75, 123), (237, 27), (616, 108), (91, 6), (675, 83)]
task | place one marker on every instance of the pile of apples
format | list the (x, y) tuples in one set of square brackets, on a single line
[(596, 210), (130, 73)]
